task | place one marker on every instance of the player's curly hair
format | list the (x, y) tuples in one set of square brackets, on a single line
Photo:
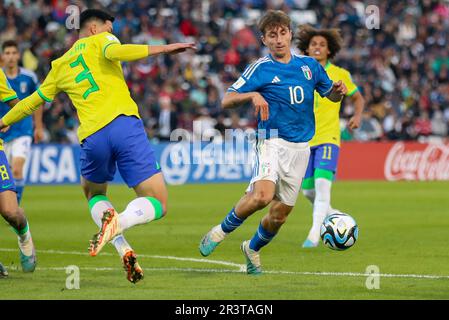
[(306, 33)]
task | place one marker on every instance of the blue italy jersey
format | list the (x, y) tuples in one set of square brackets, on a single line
[(24, 84), (288, 89)]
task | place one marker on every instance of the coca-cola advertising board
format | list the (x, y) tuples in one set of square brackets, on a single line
[(393, 161)]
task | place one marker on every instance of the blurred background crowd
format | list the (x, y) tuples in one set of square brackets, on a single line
[(401, 68)]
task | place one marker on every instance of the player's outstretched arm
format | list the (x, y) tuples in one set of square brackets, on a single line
[(21, 110), (131, 52), (235, 99), (338, 91), (172, 48)]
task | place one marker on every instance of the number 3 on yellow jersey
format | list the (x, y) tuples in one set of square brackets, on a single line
[(84, 75)]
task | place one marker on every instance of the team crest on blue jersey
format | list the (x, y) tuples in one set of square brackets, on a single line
[(307, 72), (23, 87)]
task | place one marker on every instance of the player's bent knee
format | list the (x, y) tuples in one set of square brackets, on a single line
[(8, 213), (87, 192), (261, 199), (13, 215), (279, 219), (10, 208)]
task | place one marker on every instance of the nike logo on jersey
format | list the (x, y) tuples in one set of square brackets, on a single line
[(7, 186), (275, 80)]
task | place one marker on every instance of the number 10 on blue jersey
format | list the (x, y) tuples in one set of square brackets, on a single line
[(294, 94)]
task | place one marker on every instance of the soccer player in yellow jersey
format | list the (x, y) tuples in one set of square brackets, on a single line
[(9, 207), (111, 132), (323, 45)]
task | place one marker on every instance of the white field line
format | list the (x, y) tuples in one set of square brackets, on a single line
[(224, 263), (241, 268), (202, 270)]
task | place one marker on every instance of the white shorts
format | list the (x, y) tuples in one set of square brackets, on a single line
[(282, 162), (18, 148)]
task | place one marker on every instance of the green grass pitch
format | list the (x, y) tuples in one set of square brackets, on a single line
[(404, 231)]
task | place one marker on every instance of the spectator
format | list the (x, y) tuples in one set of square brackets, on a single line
[(391, 125), (370, 128), (439, 124), (203, 125), (167, 119), (423, 126), (220, 125), (401, 68)]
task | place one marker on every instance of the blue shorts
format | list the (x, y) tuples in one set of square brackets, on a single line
[(123, 143), (323, 156), (6, 179)]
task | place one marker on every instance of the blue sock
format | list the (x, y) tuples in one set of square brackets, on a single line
[(20, 184), (231, 222), (261, 238)]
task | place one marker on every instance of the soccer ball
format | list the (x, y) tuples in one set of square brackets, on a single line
[(339, 231)]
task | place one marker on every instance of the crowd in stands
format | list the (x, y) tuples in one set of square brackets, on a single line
[(401, 65)]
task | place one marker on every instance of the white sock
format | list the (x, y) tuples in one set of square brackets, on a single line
[(25, 242), (321, 207), (24, 237), (96, 211), (140, 211), (121, 245), (310, 194), (217, 233)]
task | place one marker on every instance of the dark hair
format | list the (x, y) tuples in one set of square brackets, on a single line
[(9, 43), (92, 14), (332, 36), (274, 18)]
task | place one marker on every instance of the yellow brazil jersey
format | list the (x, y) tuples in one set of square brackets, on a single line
[(327, 112), (6, 94), (95, 85)]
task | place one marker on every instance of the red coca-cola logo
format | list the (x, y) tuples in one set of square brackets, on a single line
[(429, 162)]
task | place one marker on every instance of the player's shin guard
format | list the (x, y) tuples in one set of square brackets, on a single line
[(231, 222), (218, 233), (320, 207), (98, 205), (261, 238), (140, 211)]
